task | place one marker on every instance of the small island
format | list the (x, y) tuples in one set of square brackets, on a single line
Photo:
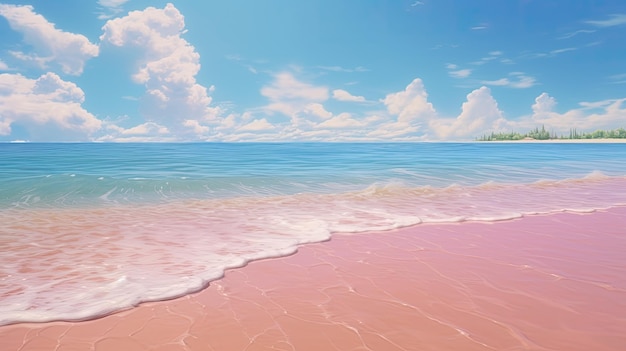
[(543, 134)]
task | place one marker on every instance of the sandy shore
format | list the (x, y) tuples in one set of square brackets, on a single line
[(553, 282)]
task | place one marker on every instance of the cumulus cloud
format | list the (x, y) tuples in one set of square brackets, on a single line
[(605, 114), (303, 104), (257, 125), (410, 104), (167, 67), (480, 112), (342, 95), (51, 46), (407, 112), (197, 128), (297, 100), (286, 88), (148, 128), (47, 107), (544, 104), (317, 110), (343, 120), (409, 116), (145, 132)]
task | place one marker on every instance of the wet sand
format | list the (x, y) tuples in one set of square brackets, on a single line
[(553, 282)]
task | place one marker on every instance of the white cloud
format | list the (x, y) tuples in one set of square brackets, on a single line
[(572, 34), (618, 78), (49, 108), (286, 87), (303, 104), (70, 51), (497, 82), (167, 68), (462, 73), (522, 81), (342, 95), (596, 104), (492, 56), (317, 110), (145, 132), (408, 110), (479, 112), (3, 66), (550, 54), (518, 80), (544, 104), (393, 131), (230, 121), (295, 99), (112, 3), (590, 116), (613, 20), (610, 116), (409, 117), (410, 104), (257, 125), (559, 51), (198, 128), (343, 69), (111, 7), (343, 120), (145, 129)]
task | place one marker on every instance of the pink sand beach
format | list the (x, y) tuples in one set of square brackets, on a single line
[(553, 282)]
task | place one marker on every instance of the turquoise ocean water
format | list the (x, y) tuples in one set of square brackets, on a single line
[(88, 229)]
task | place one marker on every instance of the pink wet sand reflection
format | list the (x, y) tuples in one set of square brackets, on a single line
[(554, 282)]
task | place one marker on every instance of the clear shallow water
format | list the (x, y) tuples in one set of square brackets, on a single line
[(87, 229)]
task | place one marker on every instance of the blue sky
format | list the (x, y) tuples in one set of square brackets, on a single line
[(278, 70)]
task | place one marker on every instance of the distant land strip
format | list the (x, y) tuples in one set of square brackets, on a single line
[(543, 134)]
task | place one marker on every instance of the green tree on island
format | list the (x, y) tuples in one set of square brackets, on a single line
[(543, 134)]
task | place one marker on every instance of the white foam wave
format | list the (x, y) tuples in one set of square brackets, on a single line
[(76, 263)]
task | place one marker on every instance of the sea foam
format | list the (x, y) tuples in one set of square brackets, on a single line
[(145, 222), (74, 263)]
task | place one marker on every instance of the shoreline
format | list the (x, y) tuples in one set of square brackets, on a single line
[(431, 285), (333, 235), (527, 198)]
